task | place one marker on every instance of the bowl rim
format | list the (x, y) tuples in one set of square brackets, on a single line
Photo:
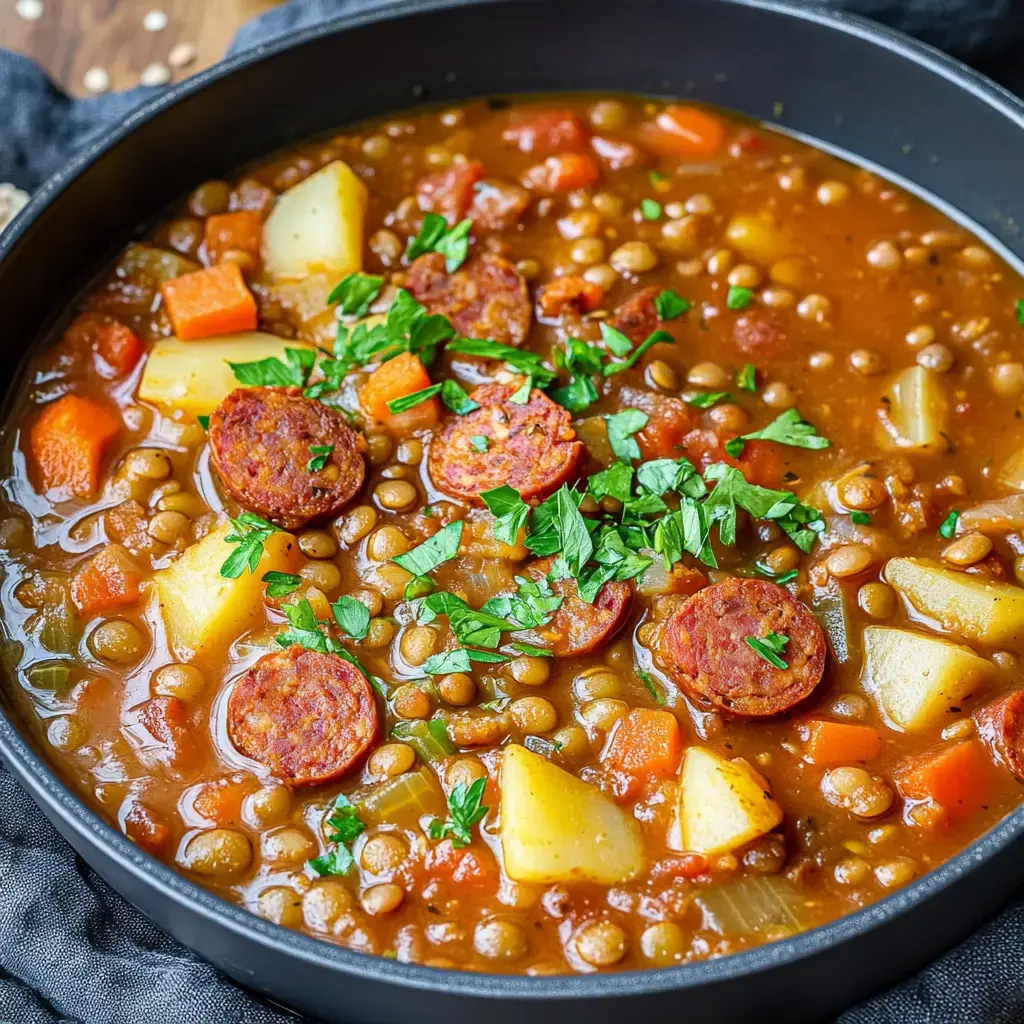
[(60, 802)]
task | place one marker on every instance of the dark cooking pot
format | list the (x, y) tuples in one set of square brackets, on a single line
[(934, 125)]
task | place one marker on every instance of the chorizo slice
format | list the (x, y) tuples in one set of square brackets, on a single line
[(574, 295), (1001, 725), (497, 205), (578, 628), (306, 717), (637, 318), (544, 132), (485, 298), (260, 445), (704, 648), (530, 447)]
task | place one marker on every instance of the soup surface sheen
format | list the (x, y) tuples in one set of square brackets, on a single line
[(677, 610)]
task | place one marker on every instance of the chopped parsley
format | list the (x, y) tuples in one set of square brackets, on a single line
[(354, 293), (524, 362), (479, 442), (306, 630), (614, 482), (746, 379), (650, 209), (739, 298), (465, 809), (781, 578), (426, 557), (435, 236), (352, 617), (447, 661), (1019, 307), (617, 342), (453, 395), (281, 584), (651, 686), (522, 394), (251, 533), (770, 647), (407, 402), (321, 453), (788, 428), (709, 399), (471, 626), (345, 825), (657, 177), (621, 428), (418, 586), (204, 422), (293, 372), (509, 511), (531, 605), (654, 338), (860, 518), (947, 528), (670, 305)]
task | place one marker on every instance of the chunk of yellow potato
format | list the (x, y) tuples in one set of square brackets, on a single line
[(557, 828), (317, 226), (915, 414), (969, 606), (722, 803), (195, 376), (202, 610), (758, 237), (915, 679)]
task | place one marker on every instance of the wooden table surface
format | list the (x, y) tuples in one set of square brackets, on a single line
[(72, 36)]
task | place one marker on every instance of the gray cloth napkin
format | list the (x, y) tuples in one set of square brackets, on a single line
[(74, 952)]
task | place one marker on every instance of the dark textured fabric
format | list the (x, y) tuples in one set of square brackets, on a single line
[(72, 951)]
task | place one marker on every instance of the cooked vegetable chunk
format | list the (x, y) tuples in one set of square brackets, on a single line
[(202, 609), (723, 804), (196, 377), (557, 828), (916, 679), (317, 225), (970, 606), (915, 412)]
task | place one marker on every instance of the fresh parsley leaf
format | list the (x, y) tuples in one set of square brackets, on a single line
[(470, 626), (739, 298), (447, 661), (670, 305), (781, 578), (650, 209), (770, 647), (305, 630), (747, 378), (531, 605), (659, 476), (614, 562), (734, 447), (272, 372), (708, 399), (433, 228), (618, 344), (250, 534), (509, 511), (479, 442), (577, 395), (532, 650), (614, 482), (465, 809), (574, 537), (321, 453), (204, 422), (355, 293), (651, 686), (860, 518), (344, 825), (522, 394), (791, 429), (352, 617), (654, 338), (435, 236), (281, 584), (947, 528), (418, 586), (456, 398), (656, 177), (338, 860), (522, 361), (426, 557), (1019, 307), (621, 428), (407, 402)]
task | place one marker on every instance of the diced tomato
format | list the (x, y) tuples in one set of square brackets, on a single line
[(547, 131), (470, 866), (760, 463), (116, 349), (220, 801), (575, 292), (563, 173)]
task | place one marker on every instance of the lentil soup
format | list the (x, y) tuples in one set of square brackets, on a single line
[(533, 536)]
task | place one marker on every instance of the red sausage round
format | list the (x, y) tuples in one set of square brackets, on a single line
[(637, 318), (530, 447), (1001, 725), (307, 717), (260, 440), (704, 648), (760, 335)]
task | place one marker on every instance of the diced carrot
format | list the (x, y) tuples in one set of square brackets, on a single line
[(240, 231), (466, 867), (209, 302), (221, 801), (403, 375), (958, 778), (832, 743), (686, 132), (107, 581), (644, 743), (68, 442), (564, 172)]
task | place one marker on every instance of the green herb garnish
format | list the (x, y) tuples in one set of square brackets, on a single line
[(251, 533), (345, 825), (650, 209), (651, 686), (669, 305), (321, 453), (293, 372), (479, 442), (355, 293), (621, 428), (947, 528), (453, 395), (709, 399), (739, 298), (426, 557), (746, 378), (464, 811), (281, 584), (769, 647), (407, 402), (435, 236), (860, 518)]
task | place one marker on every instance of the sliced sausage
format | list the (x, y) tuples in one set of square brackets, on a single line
[(306, 717), (570, 294), (576, 627), (260, 441), (704, 648), (485, 298), (759, 335), (497, 205), (637, 317), (449, 192), (1001, 725), (544, 132), (530, 447)]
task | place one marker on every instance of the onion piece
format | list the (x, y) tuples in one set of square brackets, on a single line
[(752, 906), (1001, 515)]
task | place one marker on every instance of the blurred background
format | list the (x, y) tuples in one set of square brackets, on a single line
[(91, 46)]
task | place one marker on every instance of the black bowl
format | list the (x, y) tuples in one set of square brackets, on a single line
[(921, 118)]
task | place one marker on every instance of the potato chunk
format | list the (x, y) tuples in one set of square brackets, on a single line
[(195, 376), (317, 226), (722, 804), (915, 679), (200, 608), (969, 606), (915, 413), (557, 828)]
